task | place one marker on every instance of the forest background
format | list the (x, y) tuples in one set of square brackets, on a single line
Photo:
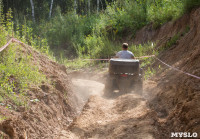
[(78, 29)]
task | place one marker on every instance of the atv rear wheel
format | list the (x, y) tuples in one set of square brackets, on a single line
[(124, 85), (139, 86), (109, 87)]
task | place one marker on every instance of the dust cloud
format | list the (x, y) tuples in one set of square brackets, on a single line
[(125, 116), (85, 89)]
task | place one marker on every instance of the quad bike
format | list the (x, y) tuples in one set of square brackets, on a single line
[(125, 76)]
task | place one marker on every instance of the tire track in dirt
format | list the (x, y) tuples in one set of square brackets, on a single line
[(125, 117)]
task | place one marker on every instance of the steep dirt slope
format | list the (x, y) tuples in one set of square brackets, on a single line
[(54, 111), (177, 95)]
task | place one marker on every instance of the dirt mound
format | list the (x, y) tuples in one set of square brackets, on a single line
[(54, 109), (177, 95)]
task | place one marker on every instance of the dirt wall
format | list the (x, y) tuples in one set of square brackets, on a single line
[(54, 110), (177, 95)]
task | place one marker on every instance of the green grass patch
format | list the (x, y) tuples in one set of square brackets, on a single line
[(2, 118), (17, 73)]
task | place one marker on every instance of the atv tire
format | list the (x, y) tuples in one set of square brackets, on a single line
[(139, 87), (109, 87)]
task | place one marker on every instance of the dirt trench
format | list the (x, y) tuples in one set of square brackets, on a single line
[(126, 117)]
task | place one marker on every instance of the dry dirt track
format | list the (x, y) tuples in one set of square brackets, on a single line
[(125, 117)]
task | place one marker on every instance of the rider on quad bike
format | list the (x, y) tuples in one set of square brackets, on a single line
[(124, 75), (125, 54)]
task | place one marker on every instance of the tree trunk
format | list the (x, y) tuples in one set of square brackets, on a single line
[(97, 6), (75, 6), (88, 7), (33, 13), (101, 4), (51, 7), (0, 7)]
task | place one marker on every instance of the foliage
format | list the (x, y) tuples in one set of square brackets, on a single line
[(78, 64), (127, 16), (16, 71), (16, 74), (149, 73), (173, 40), (108, 52), (90, 35), (2, 118), (190, 4), (161, 11), (67, 28)]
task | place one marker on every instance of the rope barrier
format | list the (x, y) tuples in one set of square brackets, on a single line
[(5, 46), (109, 59), (176, 69), (10, 41), (145, 57), (97, 59)]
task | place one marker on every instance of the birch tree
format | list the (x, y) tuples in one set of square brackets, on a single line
[(97, 6), (75, 6), (89, 7), (0, 5), (101, 4), (51, 7), (33, 12), (0, 8)]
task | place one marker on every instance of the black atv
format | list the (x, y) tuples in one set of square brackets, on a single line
[(125, 76)]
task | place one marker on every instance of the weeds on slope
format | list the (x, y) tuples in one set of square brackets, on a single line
[(16, 74)]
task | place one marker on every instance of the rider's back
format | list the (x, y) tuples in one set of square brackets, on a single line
[(125, 54)]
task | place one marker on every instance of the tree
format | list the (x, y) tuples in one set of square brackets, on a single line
[(33, 13), (51, 9), (89, 7), (75, 6), (0, 7), (97, 6)]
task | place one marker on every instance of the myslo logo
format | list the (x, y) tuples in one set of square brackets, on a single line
[(184, 135)]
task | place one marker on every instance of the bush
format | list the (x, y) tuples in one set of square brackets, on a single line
[(17, 74), (190, 4), (65, 29), (160, 12), (95, 35)]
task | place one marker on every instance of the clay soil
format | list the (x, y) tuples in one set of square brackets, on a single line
[(53, 112)]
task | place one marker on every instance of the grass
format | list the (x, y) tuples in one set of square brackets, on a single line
[(77, 64), (2, 118), (16, 74), (138, 50), (149, 72), (173, 40)]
